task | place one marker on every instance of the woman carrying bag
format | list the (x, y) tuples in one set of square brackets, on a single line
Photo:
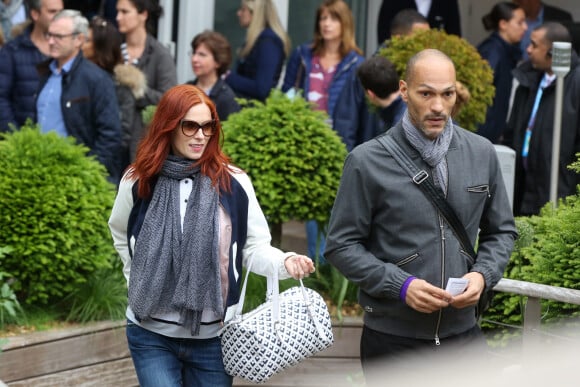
[(184, 222)]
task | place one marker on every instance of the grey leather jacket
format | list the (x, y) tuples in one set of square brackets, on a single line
[(383, 229)]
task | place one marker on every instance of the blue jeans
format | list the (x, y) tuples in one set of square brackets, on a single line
[(162, 361), (312, 237)]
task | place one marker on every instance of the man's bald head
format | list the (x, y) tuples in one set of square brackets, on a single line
[(430, 55), (429, 89)]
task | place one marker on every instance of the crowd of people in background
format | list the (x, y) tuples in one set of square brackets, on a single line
[(121, 41)]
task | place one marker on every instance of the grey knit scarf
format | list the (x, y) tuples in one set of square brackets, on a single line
[(175, 272), (432, 151)]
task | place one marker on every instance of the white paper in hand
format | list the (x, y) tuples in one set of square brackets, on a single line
[(456, 286)]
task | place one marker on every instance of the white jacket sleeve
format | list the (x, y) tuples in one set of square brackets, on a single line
[(118, 223), (265, 257)]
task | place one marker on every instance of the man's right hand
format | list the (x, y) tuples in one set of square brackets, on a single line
[(426, 298)]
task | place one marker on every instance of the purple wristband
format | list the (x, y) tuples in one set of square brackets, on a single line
[(403, 293)]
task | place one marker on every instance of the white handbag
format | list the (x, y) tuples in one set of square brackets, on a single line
[(287, 328)]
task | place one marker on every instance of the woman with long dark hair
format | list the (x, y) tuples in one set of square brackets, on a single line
[(501, 49), (103, 47), (141, 49)]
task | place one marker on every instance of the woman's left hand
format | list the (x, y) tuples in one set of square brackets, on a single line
[(299, 266)]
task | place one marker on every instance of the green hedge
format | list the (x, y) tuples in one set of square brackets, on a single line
[(548, 252), (292, 155), (54, 208)]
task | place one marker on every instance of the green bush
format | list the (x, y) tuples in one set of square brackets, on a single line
[(576, 165), (295, 160), (328, 281), (473, 71), (9, 305), (53, 213), (547, 252), (292, 155), (148, 113), (508, 308), (555, 253)]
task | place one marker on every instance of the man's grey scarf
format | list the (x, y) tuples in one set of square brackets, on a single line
[(172, 271), (432, 151)]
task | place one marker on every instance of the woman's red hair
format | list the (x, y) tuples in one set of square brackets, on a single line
[(156, 145)]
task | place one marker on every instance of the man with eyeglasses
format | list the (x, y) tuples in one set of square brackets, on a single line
[(77, 98), (18, 60)]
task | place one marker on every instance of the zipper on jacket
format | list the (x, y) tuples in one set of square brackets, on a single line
[(404, 261), (345, 67), (442, 231), (484, 188)]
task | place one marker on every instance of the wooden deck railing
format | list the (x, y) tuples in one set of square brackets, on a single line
[(535, 293)]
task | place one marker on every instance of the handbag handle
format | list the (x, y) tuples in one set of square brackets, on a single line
[(273, 291), (240, 306)]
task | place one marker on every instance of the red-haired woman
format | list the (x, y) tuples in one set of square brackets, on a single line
[(184, 222)]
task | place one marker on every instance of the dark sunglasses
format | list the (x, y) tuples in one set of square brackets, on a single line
[(190, 128)]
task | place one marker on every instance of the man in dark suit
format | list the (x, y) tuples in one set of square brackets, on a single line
[(76, 97), (530, 128), (537, 13), (441, 14)]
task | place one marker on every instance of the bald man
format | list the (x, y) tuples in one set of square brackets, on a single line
[(386, 235)]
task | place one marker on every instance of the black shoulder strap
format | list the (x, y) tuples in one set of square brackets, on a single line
[(433, 193)]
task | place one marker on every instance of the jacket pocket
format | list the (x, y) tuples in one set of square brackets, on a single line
[(77, 100), (407, 260), (468, 258), (482, 188)]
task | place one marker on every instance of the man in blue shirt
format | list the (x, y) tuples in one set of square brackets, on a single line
[(537, 13), (18, 61), (76, 97)]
